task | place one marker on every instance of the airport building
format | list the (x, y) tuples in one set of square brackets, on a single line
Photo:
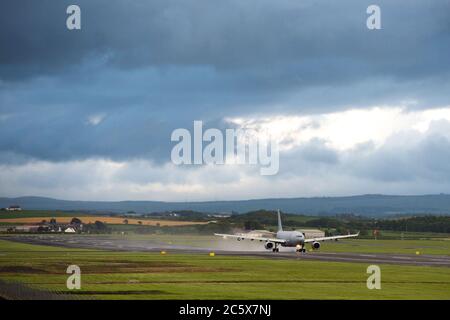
[(14, 208), (309, 233), (259, 233), (313, 233)]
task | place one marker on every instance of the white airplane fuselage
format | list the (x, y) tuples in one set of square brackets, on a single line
[(287, 239), (293, 238)]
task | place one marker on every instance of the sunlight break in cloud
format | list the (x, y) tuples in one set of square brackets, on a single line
[(346, 129)]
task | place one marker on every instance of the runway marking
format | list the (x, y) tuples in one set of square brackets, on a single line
[(405, 258), (441, 260)]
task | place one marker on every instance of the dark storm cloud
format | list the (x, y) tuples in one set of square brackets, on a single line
[(52, 119), (148, 67), (276, 42)]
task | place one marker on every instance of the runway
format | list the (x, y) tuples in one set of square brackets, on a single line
[(114, 244)]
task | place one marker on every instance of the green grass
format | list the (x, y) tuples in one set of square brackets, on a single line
[(137, 275), (439, 247), (398, 235)]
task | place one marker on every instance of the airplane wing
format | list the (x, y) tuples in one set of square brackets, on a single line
[(244, 237), (332, 238)]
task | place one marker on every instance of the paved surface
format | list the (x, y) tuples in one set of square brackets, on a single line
[(107, 243)]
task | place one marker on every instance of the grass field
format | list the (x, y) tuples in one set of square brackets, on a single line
[(398, 235), (440, 247), (132, 275)]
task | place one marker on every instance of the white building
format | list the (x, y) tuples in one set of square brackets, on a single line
[(259, 233), (309, 233), (313, 233), (14, 208)]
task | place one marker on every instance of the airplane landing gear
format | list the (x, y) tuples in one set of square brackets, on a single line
[(301, 249), (276, 249)]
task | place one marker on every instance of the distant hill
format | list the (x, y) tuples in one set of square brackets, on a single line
[(370, 205)]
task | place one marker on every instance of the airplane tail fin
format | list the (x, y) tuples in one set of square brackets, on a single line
[(280, 227)]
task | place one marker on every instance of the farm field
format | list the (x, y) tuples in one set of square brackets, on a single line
[(142, 275)]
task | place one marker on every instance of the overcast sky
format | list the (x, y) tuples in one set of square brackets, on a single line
[(87, 114)]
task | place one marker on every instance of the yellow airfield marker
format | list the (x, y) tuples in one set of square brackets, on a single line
[(212, 254), (163, 252), (310, 250), (417, 252)]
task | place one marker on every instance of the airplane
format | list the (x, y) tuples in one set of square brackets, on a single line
[(287, 239)]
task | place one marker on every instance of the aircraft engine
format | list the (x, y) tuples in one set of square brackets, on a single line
[(269, 245), (315, 245)]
